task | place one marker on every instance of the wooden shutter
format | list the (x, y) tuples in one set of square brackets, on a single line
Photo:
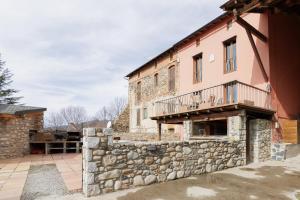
[(172, 78), (138, 117)]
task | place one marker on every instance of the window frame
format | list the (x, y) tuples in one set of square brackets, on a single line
[(232, 59), (195, 61)]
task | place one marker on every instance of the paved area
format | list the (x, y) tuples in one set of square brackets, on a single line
[(269, 180), (13, 172)]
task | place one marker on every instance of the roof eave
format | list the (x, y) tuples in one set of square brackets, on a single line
[(30, 111)]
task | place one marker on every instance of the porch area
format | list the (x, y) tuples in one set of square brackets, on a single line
[(225, 97)]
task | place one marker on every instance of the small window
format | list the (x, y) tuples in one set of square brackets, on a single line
[(172, 79), (145, 113), (138, 92), (197, 68), (155, 64), (139, 74), (230, 55), (138, 117), (156, 80)]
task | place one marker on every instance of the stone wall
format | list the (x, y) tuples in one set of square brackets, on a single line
[(260, 140), (14, 134), (165, 136), (149, 95), (109, 167), (278, 151), (121, 124)]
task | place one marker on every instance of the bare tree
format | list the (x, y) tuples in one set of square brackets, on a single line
[(54, 120), (74, 114), (116, 107), (102, 114)]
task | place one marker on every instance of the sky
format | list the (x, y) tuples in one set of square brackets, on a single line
[(77, 52)]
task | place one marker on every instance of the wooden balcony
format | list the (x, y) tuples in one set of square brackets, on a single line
[(228, 96)]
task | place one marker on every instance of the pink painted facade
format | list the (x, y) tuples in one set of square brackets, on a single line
[(211, 46), (279, 56)]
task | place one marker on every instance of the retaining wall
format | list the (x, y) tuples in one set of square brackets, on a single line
[(109, 166)]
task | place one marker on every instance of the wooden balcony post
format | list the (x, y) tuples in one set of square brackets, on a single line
[(159, 130)]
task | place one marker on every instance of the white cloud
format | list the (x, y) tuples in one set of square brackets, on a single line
[(76, 52)]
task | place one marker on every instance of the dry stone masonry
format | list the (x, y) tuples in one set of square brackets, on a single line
[(109, 166), (14, 131), (260, 140)]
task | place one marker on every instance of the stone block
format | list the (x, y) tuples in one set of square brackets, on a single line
[(109, 160), (132, 155), (92, 167), (88, 132), (93, 190), (171, 176), (165, 160), (92, 142), (150, 179), (138, 181)]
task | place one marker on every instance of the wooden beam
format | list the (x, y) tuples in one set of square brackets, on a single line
[(250, 28), (257, 55)]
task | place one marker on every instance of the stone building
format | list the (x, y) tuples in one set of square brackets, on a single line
[(16, 125), (231, 65)]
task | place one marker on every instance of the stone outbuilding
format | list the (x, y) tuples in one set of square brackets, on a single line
[(17, 123)]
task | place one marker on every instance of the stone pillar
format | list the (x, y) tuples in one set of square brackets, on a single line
[(260, 140), (91, 142), (236, 127), (187, 129)]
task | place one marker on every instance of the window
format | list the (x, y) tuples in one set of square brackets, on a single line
[(145, 113), (231, 93), (172, 78), (156, 80), (230, 55), (197, 68), (155, 64), (138, 117), (138, 92)]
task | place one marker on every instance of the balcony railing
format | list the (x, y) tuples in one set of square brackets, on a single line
[(231, 93)]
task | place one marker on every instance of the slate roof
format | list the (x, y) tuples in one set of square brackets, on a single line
[(18, 110)]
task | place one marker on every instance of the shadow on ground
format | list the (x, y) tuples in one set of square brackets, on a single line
[(266, 183)]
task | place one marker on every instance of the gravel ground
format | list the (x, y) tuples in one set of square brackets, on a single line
[(43, 180)]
